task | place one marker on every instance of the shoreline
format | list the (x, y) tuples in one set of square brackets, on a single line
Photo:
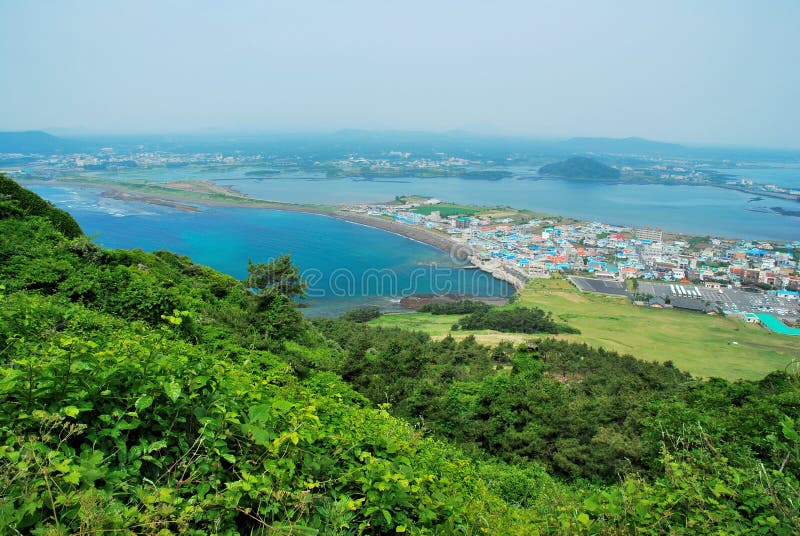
[(209, 194), (456, 250), (225, 196)]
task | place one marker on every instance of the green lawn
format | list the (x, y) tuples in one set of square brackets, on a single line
[(446, 209), (438, 326), (701, 344)]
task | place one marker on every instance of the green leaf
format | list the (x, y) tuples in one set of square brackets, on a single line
[(73, 477), (260, 413), (71, 411), (787, 427), (172, 390), (144, 402), (721, 489), (156, 445), (584, 519), (282, 406)]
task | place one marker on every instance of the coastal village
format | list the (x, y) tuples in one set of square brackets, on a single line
[(757, 280), (753, 279)]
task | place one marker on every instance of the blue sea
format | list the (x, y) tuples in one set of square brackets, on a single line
[(346, 265), (787, 175), (700, 210)]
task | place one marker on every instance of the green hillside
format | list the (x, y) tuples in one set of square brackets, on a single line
[(580, 167), (141, 393), (706, 346)]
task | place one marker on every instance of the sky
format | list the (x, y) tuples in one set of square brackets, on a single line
[(722, 72)]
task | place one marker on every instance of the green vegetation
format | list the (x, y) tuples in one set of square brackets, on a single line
[(460, 307), (436, 326), (362, 314), (696, 241), (142, 393), (514, 320), (580, 167), (641, 446), (446, 209), (700, 344), (16, 201)]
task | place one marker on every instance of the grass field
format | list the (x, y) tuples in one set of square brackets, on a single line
[(438, 326), (700, 344), (446, 209)]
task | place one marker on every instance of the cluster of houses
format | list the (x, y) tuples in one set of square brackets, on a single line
[(538, 247)]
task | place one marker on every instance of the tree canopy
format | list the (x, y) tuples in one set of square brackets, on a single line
[(143, 393)]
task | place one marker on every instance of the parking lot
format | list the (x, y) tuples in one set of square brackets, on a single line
[(729, 300), (601, 286)]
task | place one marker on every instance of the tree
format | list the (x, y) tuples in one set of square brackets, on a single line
[(276, 278), (635, 288)]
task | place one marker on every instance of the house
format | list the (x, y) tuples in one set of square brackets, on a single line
[(691, 304)]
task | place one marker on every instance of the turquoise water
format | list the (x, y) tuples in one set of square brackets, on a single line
[(350, 265), (346, 265)]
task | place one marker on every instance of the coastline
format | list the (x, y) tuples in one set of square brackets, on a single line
[(173, 199), (190, 196)]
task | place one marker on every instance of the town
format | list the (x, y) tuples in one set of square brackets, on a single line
[(383, 164), (755, 280)]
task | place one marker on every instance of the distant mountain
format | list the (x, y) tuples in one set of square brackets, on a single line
[(622, 146), (580, 167), (32, 141)]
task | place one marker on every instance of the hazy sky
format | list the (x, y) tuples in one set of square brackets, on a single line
[(707, 71)]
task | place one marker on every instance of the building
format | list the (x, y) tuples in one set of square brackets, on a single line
[(462, 223), (645, 233)]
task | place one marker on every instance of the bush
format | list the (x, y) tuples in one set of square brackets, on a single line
[(362, 314), (461, 307), (515, 320), (24, 202)]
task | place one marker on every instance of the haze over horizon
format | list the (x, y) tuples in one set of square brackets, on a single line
[(716, 73)]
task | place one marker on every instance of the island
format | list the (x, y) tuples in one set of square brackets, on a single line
[(580, 167)]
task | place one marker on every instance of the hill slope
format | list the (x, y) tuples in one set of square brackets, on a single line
[(580, 167), (14, 199), (626, 146), (142, 393), (30, 141)]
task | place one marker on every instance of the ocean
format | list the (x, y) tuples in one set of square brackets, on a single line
[(700, 210), (787, 175), (346, 265)]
